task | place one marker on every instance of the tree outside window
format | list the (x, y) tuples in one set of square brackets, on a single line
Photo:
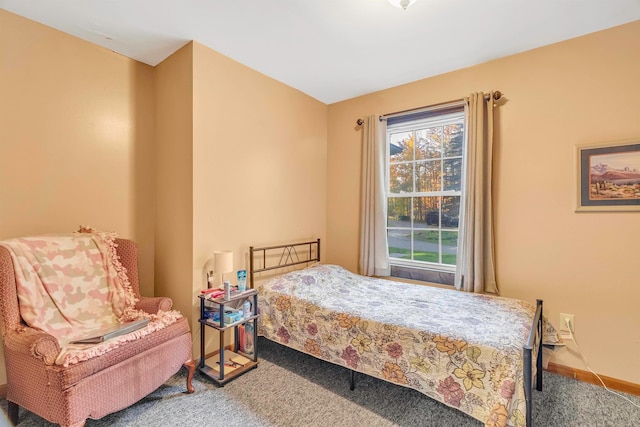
[(424, 190)]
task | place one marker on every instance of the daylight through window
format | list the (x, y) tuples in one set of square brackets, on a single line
[(425, 170)]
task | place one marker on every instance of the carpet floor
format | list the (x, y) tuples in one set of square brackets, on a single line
[(290, 388)]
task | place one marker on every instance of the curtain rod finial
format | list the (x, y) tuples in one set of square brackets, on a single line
[(359, 122)]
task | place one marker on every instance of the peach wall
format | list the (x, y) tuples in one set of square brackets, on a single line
[(174, 181), (76, 135), (259, 161), (85, 119), (580, 91)]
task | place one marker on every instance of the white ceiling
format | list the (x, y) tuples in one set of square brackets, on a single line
[(331, 49)]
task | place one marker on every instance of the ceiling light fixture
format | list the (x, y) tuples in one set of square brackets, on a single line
[(404, 4)]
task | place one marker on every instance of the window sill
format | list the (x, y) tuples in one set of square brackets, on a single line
[(422, 275)]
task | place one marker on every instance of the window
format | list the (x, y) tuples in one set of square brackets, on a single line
[(425, 170)]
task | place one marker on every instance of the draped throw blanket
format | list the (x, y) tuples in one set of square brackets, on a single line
[(72, 286)]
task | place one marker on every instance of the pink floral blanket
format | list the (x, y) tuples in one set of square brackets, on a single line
[(73, 286)]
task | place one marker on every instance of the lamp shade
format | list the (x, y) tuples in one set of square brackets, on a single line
[(223, 261)]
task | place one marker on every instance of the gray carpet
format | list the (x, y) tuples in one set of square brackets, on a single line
[(293, 389)]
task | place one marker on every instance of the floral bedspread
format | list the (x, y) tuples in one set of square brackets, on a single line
[(462, 349)]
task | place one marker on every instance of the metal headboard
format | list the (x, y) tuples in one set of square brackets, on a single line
[(289, 256)]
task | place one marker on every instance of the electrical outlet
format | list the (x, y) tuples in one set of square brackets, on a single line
[(567, 318)]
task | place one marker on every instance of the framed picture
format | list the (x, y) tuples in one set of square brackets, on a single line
[(608, 176)]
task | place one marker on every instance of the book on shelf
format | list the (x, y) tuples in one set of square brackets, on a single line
[(241, 337), (240, 360), (231, 363), (228, 367)]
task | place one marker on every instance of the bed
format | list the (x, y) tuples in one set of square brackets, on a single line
[(476, 353)]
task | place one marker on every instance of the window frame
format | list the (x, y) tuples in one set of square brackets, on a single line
[(432, 119)]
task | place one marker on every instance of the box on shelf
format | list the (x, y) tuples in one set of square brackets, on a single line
[(212, 315), (233, 316)]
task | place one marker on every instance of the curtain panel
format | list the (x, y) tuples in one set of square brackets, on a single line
[(374, 251), (475, 269)]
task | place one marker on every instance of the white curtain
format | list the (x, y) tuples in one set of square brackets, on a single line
[(374, 252), (475, 269)]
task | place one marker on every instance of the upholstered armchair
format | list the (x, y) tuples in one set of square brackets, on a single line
[(100, 385)]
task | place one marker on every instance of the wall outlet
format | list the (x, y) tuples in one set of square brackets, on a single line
[(564, 318)]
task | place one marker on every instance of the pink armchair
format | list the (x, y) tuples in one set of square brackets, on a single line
[(95, 387)]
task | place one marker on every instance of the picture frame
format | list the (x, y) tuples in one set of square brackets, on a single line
[(608, 176)]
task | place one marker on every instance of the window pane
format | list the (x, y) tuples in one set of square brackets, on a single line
[(429, 145), (399, 244), (452, 174), (399, 212), (425, 246), (453, 140), (424, 209), (450, 211), (401, 147), (401, 178), (449, 247), (428, 176)]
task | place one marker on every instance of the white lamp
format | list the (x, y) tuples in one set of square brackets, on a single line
[(402, 3), (222, 263)]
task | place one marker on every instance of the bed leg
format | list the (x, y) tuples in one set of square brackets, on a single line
[(528, 386), (534, 342), (539, 375), (352, 382), (539, 358)]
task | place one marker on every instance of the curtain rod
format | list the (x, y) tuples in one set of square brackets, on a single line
[(496, 96)]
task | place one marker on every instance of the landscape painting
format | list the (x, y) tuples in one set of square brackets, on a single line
[(609, 176)]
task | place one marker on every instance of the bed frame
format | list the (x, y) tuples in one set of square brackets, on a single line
[(292, 254)]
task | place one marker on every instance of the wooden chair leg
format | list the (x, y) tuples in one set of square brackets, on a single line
[(191, 367), (13, 410)]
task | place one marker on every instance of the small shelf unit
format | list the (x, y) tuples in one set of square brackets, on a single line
[(233, 361)]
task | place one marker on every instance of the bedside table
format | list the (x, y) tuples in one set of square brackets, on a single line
[(229, 362)]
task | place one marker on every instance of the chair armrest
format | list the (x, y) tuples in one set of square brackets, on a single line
[(32, 342), (153, 304)]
